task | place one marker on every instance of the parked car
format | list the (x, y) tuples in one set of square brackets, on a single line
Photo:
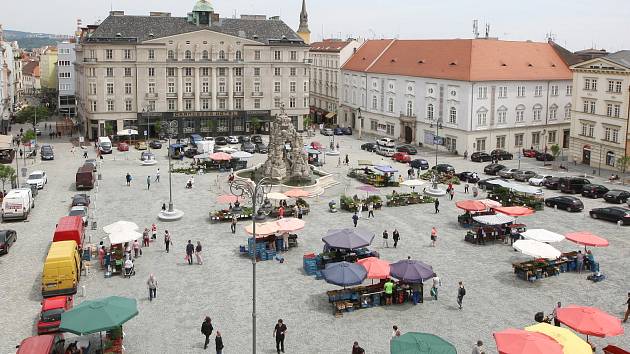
[(509, 172), (371, 147), (501, 154), (552, 183), (220, 140), (257, 139), (422, 164), (524, 176), (347, 131), (387, 142), (617, 196), (232, 139), (37, 178), (573, 185), (155, 144), (406, 148), (44, 344), (242, 139), (123, 146), (46, 152), (50, 313), (594, 190), (401, 157), (385, 151), (208, 138), (539, 180), (80, 199), (444, 168), (81, 211), (493, 168), (544, 156), (7, 239), (612, 214), (326, 131), (248, 147), (484, 183), (566, 202), (91, 162), (338, 131), (480, 157), (530, 152), (261, 148), (141, 145), (470, 177)]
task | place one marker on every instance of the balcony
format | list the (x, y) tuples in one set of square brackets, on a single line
[(238, 94), (90, 60), (189, 95), (206, 94), (257, 94), (151, 95), (222, 94), (171, 94)]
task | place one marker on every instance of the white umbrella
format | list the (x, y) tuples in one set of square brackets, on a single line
[(542, 235), (276, 196), (241, 155), (412, 183), (497, 219), (120, 226), (118, 238), (536, 249)]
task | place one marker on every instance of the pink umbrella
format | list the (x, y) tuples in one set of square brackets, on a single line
[(220, 156), (518, 341), (228, 198), (376, 267), (296, 193), (515, 211), (368, 188), (490, 203), (586, 238), (290, 224), (263, 229)]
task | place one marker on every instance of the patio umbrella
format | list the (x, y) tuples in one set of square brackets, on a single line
[(241, 155), (586, 238), (542, 235), (120, 226), (411, 271), (348, 238), (571, 343), (471, 205), (100, 315), (229, 198), (489, 203), (263, 229), (420, 343), (220, 156), (296, 193), (118, 238), (590, 321), (290, 224), (376, 268), (536, 249), (518, 341), (496, 219), (344, 273), (413, 183), (276, 196), (515, 211)]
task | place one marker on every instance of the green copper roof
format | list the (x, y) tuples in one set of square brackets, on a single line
[(203, 6)]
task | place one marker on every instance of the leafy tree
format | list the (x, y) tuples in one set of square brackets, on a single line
[(307, 122), (7, 174), (555, 151), (28, 136), (28, 114), (623, 163), (48, 98), (254, 124)]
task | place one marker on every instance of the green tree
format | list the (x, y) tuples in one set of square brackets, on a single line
[(28, 136), (622, 164), (307, 121), (28, 114), (555, 151), (7, 174), (48, 98), (254, 124)]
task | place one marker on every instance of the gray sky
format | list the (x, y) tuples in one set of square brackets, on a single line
[(576, 24)]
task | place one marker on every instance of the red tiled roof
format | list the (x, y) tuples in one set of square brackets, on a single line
[(462, 59), (31, 68), (329, 45)]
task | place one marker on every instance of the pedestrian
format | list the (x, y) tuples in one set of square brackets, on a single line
[(136, 248), (481, 236), (85, 154), (206, 330), (415, 292), (152, 284), (478, 349), (21, 153), (475, 191), (466, 187), (436, 203), (385, 237), (625, 317), (101, 256), (148, 182), (395, 237), (434, 288), (465, 154), (461, 292), (163, 207), (157, 175), (300, 212), (72, 150), (128, 178), (370, 207), (233, 224), (218, 343), (452, 193), (580, 261), (167, 240), (356, 349), (198, 253), (279, 331), (190, 249), (355, 219), (347, 160), (145, 237), (360, 209), (153, 231), (388, 288), (556, 321), (395, 332), (281, 212), (433, 236)]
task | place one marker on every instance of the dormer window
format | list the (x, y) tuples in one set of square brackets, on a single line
[(204, 55), (222, 55), (188, 55)]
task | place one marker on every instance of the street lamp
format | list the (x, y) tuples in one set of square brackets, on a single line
[(360, 123), (146, 112), (171, 214), (256, 192), (438, 126)]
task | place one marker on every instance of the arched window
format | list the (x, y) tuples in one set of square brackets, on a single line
[(452, 115), (188, 55), (239, 55), (520, 113), (537, 111), (553, 112), (204, 55), (502, 115), (409, 108), (171, 55), (221, 55), (610, 158), (430, 111)]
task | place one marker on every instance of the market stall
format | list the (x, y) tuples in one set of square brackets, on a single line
[(489, 228), (271, 237), (234, 210), (471, 208), (378, 176), (120, 234)]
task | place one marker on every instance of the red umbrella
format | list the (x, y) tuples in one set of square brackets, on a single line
[(228, 198), (471, 205), (296, 193), (290, 224), (518, 341), (515, 211), (220, 156), (590, 321), (376, 267), (587, 239)]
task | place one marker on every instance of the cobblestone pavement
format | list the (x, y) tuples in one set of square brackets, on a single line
[(221, 287)]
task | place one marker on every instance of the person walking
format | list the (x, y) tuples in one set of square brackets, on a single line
[(167, 240), (347, 160), (359, 209), (481, 236), (279, 332), (434, 288), (198, 253), (478, 348), (556, 321), (625, 317), (148, 182), (233, 224), (475, 191), (461, 292), (218, 343), (128, 178), (433, 236), (154, 231), (206, 330), (437, 205), (452, 193), (145, 237), (370, 207), (466, 187), (157, 175), (385, 239), (136, 248), (152, 284), (395, 332), (355, 219), (395, 237), (356, 349), (85, 154), (190, 249)]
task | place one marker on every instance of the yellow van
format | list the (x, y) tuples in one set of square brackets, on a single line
[(62, 269)]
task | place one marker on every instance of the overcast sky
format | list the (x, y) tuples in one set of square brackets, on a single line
[(576, 24)]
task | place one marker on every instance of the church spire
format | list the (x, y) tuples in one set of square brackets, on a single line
[(303, 30)]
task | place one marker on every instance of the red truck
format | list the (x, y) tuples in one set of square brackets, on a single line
[(70, 228), (46, 344), (50, 316)]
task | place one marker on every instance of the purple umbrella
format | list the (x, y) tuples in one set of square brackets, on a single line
[(411, 271), (344, 273), (348, 238)]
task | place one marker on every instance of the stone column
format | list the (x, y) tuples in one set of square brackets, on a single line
[(230, 87), (214, 88), (180, 89), (197, 89)]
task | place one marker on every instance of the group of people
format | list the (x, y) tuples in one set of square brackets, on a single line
[(395, 237)]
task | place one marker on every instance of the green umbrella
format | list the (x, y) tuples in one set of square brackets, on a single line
[(420, 343), (98, 315)]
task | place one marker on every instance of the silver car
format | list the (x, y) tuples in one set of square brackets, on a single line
[(509, 172)]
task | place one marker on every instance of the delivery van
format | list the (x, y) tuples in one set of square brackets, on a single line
[(104, 145), (17, 204), (46, 344), (62, 269), (70, 228), (85, 177)]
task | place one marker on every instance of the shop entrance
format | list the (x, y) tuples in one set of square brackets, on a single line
[(586, 155), (408, 134)]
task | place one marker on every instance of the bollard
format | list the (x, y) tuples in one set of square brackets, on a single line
[(555, 207), (83, 292)]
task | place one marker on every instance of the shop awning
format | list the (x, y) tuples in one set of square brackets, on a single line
[(385, 169), (497, 219), (330, 114), (364, 162)]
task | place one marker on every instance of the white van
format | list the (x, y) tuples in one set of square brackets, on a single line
[(17, 204), (104, 145), (385, 151)]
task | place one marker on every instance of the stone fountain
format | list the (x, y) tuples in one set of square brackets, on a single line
[(435, 190)]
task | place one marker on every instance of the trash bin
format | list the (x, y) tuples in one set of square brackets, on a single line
[(94, 225)]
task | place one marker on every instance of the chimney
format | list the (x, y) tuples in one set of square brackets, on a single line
[(117, 13), (159, 14)]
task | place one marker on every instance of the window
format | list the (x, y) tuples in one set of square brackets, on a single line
[(611, 134), (589, 106), (171, 105), (257, 55), (373, 125), (520, 114), (170, 87), (554, 90), (204, 71), (91, 72), (127, 72), (609, 109), (481, 118), (293, 55), (390, 105), (594, 84), (292, 86), (389, 130), (110, 88), (238, 71), (277, 55), (188, 87), (188, 105), (187, 71), (151, 87), (551, 136), (276, 102), (128, 106), (374, 102), (553, 112), (170, 72), (537, 113), (520, 91), (610, 158), (110, 105), (151, 54), (204, 55), (481, 144), (452, 115), (205, 104), (305, 88), (188, 55), (64, 75), (569, 90), (109, 72), (503, 91), (151, 71), (500, 142), (430, 111), (502, 115), (277, 71), (238, 86), (221, 54), (618, 87), (292, 102), (536, 138), (611, 86), (538, 91), (109, 54), (238, 55), (238, 103), (256, 86), (170, 55), (93, 106), (222, 86), (256, 103), (92, 88), (587, 84), (221, 71), (292, 72), (276, 86), (305, 102), (410, 112), (482, 92), (518, 140), (567, 111), (256, 71), (127, 88)]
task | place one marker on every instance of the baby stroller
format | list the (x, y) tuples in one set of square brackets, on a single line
[(129, 272)]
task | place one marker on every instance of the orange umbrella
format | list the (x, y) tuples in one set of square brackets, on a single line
[(290, 224), (263, 229), (590, 321), (471, 205), (515, 211), (228, 198), (586, 238), (296, 193), (376, 267), (489, 203), (220, 156), (518, 341)]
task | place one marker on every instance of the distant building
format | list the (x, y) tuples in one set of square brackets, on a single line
[(303, 30), (31, 77), (48, 68), (17, 74), (7, 83), (66, 75)]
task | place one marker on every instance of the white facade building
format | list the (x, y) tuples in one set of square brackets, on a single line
[(7, 83), (66, 100)]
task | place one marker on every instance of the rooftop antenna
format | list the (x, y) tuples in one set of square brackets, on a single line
[(475, 29), (551, 37), (487, 30)]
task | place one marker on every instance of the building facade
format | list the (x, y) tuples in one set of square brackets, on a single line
[(17, 74), (327, 57), (464, 95), (7, 83), (48, 68), (31, 77), (66, 101), (599, 128), (214, 76)]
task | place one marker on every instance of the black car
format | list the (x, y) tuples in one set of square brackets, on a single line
[(524, 176), (594, 190), (409, 149), (243, 139), (81, 199), (480, 157), (485, 183), (471, 177), (191, 152), (347, 131), (612, 214), (7, 238), (552, 183), (573, 185), (566, 202), (155, 144), (444, 168), (371, 147), (256, 139), (220, 140), (501, 154), (47, 152), (419, 163), (248, 147), (543, 156), (617, 196), (261, 148), (338, 131), (493, 168)]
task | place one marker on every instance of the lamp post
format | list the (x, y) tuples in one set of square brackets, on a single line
[(171, 214), (256, 192), (438, 126), (146, 112), (360, 123)]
